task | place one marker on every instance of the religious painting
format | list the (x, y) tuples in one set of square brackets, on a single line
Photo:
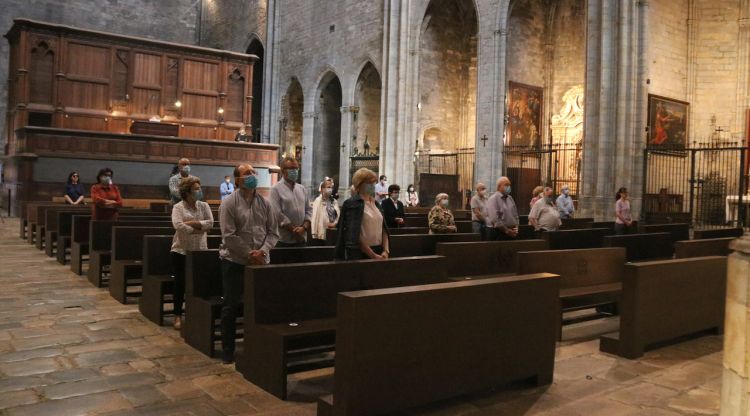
[(525, 107), (667, 123)]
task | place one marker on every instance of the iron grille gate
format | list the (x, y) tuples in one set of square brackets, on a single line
[(460, 162), (555, 165), (703, 186)]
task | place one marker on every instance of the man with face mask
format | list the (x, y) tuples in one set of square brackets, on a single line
[(183, 171), (381, 189), (479, 210), (393, 209), (226, 188), (502, 213), (293, 205), (565, 203), (544, 215), (249, 230)]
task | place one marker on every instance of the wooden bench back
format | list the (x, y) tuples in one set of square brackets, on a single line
[(485, 257), (408, 230), (203, 274), (410, 245), (286, 293), (79, 232), (718, 233), (464, 226), (416, 222), (663, 300), (157, 260), (679, 231), (703, 248), (577, 223), (64, 221), (449, 339), (100, 231), (577, 268), (127, 241), (575, 239), (288, 255), (52, 216), (641, 247)]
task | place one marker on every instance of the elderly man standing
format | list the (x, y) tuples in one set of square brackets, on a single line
[(183, 171), (293, 205), (502, 213), (249, 230), (544, 215), (479, 210), (565, 203)]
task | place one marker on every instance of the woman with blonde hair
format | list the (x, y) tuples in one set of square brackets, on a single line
[(440, 217), (362, 230), (536, 195), (325, 214)]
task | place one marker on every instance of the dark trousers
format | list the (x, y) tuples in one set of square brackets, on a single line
[(494, 234), (283, 244), (233, 281), (479, 227), (178, 272), (621, 229)]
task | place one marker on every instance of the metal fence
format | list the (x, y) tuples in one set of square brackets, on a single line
[(460, 162), (704, 185), (554, 165)]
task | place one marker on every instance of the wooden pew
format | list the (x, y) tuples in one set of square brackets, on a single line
[(464, 226), (416, 222), (33, 211), (450, 339), (126, 266), (157, 278), (679, 231), (52, 227), (65, 234), (588, 277), (640, 247), (100, 245), (577, 223), (486, 257), (402, 230), (575, 239), (718, 233), (665, 300), (304, 295), (410, 245), (703, 248), (203, 290)]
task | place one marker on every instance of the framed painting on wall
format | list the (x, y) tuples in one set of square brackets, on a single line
[(525, 107), (667, 123)]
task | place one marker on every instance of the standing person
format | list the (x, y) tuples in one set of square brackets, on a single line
[(290, 199), (536, 194), (478, 206), (325, 212), (226, 188), (440, 219), (502, 213), (105, 197), (74, 190), (183, 171), (623, 218), (393, 209), (565, 203), (381, 189), (248, 232), (412, 198), (191, 219), (362, 231), (544, 215)]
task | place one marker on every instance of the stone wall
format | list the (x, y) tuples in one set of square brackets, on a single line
[(232, 24), (525, 57), (569, 50), (166, 20), (668, 48), (367, 125)]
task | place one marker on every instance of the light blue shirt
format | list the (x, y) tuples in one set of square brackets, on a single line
[(226, 189), (565, 205)]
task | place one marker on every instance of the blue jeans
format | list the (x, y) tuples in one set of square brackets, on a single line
[(479, 227)]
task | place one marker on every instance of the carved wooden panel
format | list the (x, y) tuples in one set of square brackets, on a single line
[(88, 61), (147, 70), (120, 79), (41, 73), (146, 102), (235, 96), (198, 132), (82, 122), (200, 106), (201, 76)]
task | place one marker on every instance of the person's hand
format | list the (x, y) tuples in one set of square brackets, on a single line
[(194, 223), (331, 225), (385, 255), (257, 257), (399, 220), (300, 231), (452, 228)]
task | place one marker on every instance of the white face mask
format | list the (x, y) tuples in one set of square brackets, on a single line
[(328, 191), (444, 203)]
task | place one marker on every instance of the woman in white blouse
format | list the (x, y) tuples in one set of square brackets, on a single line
[(325, 213), (191, 218)]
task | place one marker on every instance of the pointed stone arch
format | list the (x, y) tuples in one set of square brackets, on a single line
[(255, 47)]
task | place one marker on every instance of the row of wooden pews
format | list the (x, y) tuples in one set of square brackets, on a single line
[(400, 330)]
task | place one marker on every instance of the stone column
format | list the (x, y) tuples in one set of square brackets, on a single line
[(309, 119), (347, 132), (391, 87), (743, 66), (735, 385), (266, 123)]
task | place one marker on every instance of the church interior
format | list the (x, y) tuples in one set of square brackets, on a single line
[(375, 207)]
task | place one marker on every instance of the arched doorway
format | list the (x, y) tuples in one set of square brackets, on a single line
[(327, 134), (367, 117), (256, 48), (290, 131)]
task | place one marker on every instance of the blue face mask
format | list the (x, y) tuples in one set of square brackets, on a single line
[(186, 170), (251, 182), (293, 174), (198, 195), (369, 189), (507, 190)]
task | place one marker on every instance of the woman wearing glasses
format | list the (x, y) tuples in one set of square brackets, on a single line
[(74, 190)]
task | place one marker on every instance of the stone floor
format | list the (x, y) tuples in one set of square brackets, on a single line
[(67, 348)]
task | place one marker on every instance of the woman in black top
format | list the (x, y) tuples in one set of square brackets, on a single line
[(362, 230), (74, 190)]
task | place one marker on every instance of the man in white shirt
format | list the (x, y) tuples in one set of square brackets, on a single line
[(293, 204), (381, 189), (183, 171)]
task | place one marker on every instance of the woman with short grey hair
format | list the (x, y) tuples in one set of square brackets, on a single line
[(440, 218)]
